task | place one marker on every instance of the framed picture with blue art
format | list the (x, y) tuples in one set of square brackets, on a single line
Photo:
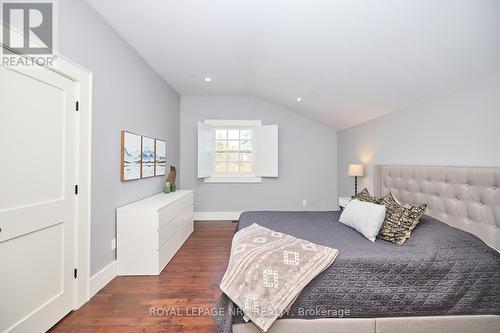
[(161, 157), (131, 156), (148, 157)]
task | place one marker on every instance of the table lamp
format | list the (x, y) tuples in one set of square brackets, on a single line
[(355, 170)]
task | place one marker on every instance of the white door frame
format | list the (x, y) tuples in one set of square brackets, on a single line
[(83, 79)]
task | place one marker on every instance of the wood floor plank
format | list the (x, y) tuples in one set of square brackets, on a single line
[(190, 281)]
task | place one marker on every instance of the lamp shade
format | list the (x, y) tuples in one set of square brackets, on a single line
[(356, 170)]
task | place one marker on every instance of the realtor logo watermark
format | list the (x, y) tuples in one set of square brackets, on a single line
[(28, 33), (299, 312)]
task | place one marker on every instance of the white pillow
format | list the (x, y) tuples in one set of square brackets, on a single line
[(365, 217)]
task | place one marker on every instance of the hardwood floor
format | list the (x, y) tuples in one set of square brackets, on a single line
[(189, 281)]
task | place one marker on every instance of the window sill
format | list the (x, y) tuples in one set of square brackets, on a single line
[(250, 179)]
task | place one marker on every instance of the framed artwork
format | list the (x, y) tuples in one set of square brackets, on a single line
[(161, 157), (131, 156), (148, 157)]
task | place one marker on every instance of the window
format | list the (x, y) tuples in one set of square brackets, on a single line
[(237, 150), (233, 151)]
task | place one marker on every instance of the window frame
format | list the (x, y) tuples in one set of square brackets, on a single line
[(239, 151), (237, 177)]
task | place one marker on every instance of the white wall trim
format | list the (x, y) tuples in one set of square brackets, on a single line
[(102, 278), (217, 216)]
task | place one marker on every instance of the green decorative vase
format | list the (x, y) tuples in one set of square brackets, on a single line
[(174, 187), (167, 187)]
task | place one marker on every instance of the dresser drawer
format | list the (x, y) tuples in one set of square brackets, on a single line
[(168, 213), (187, 229), (167, 251), (173, 226)]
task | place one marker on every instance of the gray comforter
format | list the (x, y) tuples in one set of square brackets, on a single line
[(440, 270)]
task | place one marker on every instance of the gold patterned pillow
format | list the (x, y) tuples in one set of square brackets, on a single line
[(365, 196), (400, 220)]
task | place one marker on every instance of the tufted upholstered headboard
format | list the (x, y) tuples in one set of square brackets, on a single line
[(464, 197)]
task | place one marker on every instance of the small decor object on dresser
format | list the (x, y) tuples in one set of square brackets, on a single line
[(167, 187), (160, 157), (171, 175), (148, 157), (130, 156)]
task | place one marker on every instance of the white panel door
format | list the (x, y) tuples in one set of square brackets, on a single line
[(38, 173)]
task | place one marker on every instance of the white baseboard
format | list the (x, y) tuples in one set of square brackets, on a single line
[(102, 278), (216, 216)]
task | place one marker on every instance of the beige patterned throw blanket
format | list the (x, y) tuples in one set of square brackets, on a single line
[(267, 270)]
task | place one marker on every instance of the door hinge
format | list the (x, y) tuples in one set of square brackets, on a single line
[(76, 189), (77, 106), (75, 273)]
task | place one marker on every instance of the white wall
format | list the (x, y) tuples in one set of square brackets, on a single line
[(307, 158), (459, 128), (127, 94)]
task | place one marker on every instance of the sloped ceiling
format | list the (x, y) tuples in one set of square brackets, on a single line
[(349, 60)]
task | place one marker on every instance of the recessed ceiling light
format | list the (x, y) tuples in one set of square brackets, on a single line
[(207, 79), (299, 99)]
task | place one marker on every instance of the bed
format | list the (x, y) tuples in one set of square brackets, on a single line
[(443, 279)]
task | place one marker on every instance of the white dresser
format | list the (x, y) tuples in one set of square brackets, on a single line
[(150, 231)]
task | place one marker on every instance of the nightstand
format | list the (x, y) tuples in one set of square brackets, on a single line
[(343, 201)]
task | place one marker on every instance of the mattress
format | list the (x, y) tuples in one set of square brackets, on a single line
[(440, 270)]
